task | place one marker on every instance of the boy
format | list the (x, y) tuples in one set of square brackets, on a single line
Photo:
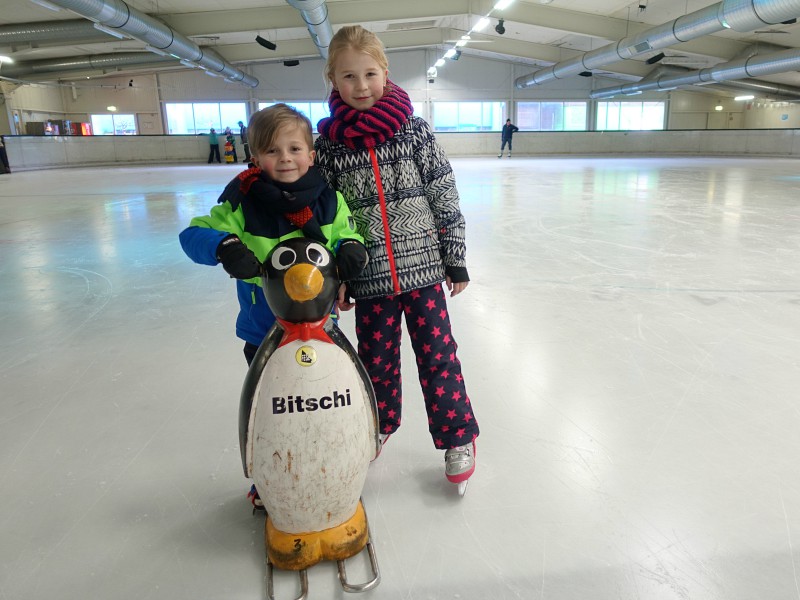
[(281, 196)]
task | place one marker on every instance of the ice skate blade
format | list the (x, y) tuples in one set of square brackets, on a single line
[(361, 587), (462, 487), (271, 586)]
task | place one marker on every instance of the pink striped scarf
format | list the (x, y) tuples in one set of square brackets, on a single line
[(368, 128)]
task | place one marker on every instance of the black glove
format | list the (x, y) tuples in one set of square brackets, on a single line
[(237, 259), (351, 258)]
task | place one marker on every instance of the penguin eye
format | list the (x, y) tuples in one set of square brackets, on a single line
[(283, 258), (317, 255)]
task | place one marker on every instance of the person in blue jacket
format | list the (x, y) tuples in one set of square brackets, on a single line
[(505, 137)]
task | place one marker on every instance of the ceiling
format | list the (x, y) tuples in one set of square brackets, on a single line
[(537, 32)]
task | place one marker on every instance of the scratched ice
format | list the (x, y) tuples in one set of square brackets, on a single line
[(630, 343)]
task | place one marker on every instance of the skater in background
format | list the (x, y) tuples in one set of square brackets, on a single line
[(4, 166), (213, 141), (281, 197), (505, 137), (245, 143), (231, 139), (414, 247)]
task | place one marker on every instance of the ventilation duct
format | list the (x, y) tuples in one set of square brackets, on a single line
[(116, 14), (315, 15), (753, 66), (49, 31), (82, 63), (739, 15)]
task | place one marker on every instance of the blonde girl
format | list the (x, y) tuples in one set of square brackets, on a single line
[(401, 190)]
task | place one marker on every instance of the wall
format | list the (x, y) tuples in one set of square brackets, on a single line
[(471, 77)]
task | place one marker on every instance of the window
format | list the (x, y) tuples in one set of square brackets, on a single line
[(114, 124), (313, 110), (551, 116), (626, 116), (200, 117), (468, 116)]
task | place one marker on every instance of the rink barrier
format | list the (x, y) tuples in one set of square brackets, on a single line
[(46, 152)]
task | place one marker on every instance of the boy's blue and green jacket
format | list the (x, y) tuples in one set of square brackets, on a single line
[(250, 217)]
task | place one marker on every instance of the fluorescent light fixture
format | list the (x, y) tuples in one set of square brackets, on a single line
[(47, 5), (450, 53), (439, 63), (116, 33), (461, 43), (740, 98), (111, 108), (481, 25), (718, 107), (212, 73), (155, 50), (188, 63), (503, 4), (6, 59)]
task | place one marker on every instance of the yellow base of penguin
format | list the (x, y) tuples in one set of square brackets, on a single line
[(298, 551)]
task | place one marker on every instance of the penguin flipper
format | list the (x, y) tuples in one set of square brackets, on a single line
[(265, 350)]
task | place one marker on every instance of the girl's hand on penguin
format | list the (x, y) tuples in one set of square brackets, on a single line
[(343, 300)]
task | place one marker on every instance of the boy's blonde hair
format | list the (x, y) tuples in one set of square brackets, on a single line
[(358, 39), (264, 125)]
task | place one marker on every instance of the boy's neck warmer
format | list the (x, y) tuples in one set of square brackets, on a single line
[(368, 128), (289, 200)]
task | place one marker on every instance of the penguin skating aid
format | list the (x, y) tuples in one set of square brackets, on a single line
[(308, 423)]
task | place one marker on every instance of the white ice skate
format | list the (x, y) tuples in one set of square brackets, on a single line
[(459, 465)]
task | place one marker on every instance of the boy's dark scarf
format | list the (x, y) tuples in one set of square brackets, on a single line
[(368, 128), (289, 200)]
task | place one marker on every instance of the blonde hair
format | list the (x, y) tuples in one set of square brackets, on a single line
[(264, 126), (357, 38)]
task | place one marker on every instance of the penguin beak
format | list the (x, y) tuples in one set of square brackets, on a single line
[(303, 282)]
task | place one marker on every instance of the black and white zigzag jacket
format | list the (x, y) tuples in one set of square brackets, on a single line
[(403, 197)]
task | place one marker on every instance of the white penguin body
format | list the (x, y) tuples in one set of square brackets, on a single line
[(311, 434)]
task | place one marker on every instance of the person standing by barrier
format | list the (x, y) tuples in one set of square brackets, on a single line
[(245, 143), (4, 166), (213, 141), (508, 131)]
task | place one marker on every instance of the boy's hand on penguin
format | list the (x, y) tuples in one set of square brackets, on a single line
[(351, 258), (237, 259)]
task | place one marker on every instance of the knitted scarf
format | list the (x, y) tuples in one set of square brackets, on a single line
[(289, 200), (368, 128)]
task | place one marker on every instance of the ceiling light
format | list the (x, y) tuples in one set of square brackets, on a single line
[(740, 98), (461, 43), (6, 59), (481, 25), (111, 108), (188, 63), (155, 50), (499, 27), (450, 53), (503, 4), (115, 32), (718, 107), (47, 5), (439, 63)]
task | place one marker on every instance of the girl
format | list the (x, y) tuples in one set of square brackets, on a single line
[(401, 191)]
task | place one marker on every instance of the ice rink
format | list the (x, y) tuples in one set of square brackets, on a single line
[(630, 342)]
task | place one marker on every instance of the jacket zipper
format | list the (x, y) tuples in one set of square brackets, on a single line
[(382, 199)]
